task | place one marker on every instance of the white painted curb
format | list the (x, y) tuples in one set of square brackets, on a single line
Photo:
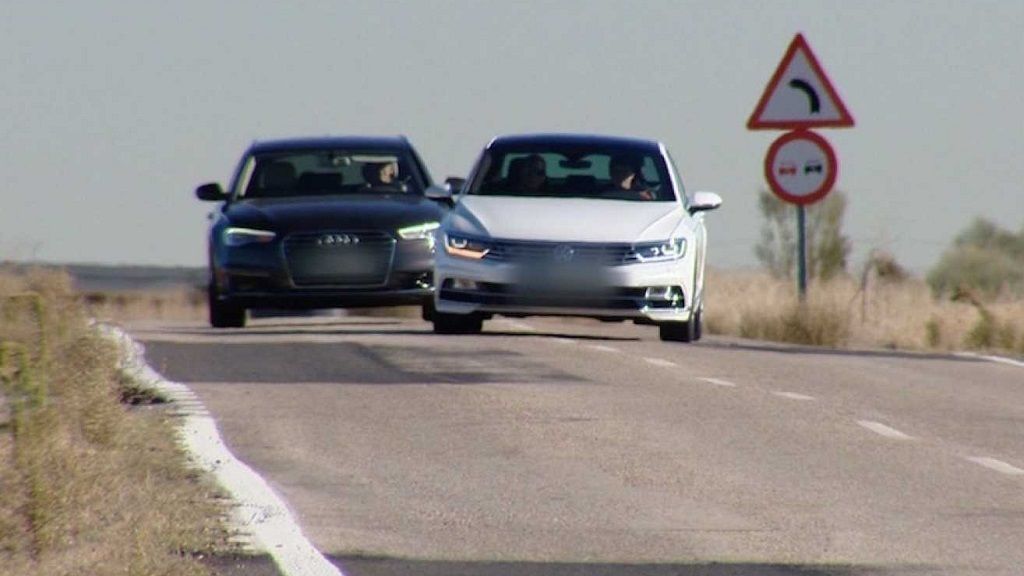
[(260, 512)]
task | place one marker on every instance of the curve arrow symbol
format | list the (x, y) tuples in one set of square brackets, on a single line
[(812, 94)]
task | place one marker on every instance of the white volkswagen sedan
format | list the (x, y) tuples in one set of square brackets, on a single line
[(573, 225)]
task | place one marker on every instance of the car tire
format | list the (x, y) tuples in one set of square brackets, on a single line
[(427, 311), (457, 323), (680, 331), (224, 314)]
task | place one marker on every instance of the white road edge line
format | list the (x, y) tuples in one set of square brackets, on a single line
[(999, 359), (883, 430), (260, 511), (660, 362), (997, 465), (794, 396), (719, 382)]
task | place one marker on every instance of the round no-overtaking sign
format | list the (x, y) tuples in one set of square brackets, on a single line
[(801, 167)]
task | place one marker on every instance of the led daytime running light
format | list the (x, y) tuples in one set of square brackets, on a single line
[(419, 231), (242, 236)]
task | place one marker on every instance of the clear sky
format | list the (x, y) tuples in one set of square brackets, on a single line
[(111, 112)]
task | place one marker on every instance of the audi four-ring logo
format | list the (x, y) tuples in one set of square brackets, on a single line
[(337, 239)]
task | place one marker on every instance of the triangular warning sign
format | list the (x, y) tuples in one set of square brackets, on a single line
[(799, 95)]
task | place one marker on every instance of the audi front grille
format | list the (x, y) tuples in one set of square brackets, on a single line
[(340, 258)]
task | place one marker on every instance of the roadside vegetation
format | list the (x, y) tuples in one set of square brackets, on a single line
[(159, 305), (894, 313), (91, 478), (972, 300), (985, 259)]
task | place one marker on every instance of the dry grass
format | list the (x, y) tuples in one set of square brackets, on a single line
[(87, 486), (168, 304), (884, 314)]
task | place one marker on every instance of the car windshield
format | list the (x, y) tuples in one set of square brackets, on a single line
[(327, 172), (609, 173)]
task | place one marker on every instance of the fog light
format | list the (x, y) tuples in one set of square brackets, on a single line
[(670, 294), (463, 284), (425, 281)]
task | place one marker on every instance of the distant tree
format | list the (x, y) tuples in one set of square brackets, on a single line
[(984, 258), (827, 248)]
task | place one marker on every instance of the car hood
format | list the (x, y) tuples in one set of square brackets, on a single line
[(357, 212), (565, 219)]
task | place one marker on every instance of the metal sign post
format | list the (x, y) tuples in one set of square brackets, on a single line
[(801, 251), (800, 166)]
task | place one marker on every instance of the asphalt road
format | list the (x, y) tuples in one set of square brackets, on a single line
[(559, 447)]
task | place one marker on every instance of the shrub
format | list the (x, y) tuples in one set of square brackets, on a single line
[(983, 258)]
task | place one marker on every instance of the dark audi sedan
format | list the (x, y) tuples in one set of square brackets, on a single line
[(322, 223)]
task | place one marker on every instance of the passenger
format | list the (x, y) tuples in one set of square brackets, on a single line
[(277, 179), (625, 182), (528, 176)]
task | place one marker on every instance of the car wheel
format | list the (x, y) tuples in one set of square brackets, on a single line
[(679, 331), (427, 311), (457, 323), (224, 314), (698, 324)]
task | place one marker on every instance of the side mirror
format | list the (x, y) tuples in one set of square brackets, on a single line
[(211, 192), (455, 184), (440, 193), (704, 201)]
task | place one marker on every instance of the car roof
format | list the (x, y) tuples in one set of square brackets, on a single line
[(577, 140), (322, 142)]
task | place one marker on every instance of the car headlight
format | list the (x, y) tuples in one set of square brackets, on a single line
[(419, 231), (465, 247), (235, 237), (660, 251)]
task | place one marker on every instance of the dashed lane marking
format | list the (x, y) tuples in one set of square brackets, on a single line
[(602, 348), (883, 430), (719, 382), (660, 362), (794, 396), (518, 325), (997, 465)]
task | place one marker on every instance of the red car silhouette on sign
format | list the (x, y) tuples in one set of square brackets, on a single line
[(787, 169)]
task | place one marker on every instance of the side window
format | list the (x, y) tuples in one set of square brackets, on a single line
[(649, 171)]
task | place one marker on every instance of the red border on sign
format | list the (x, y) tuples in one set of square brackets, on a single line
[(830, 158), (755, 122)]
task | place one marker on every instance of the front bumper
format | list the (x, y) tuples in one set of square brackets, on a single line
[(633, 291), (272, 277)]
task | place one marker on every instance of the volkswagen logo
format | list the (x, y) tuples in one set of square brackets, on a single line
[(564, 253), (337, 240)]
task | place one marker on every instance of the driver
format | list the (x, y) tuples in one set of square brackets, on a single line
[(381, 175), (623, 172)]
